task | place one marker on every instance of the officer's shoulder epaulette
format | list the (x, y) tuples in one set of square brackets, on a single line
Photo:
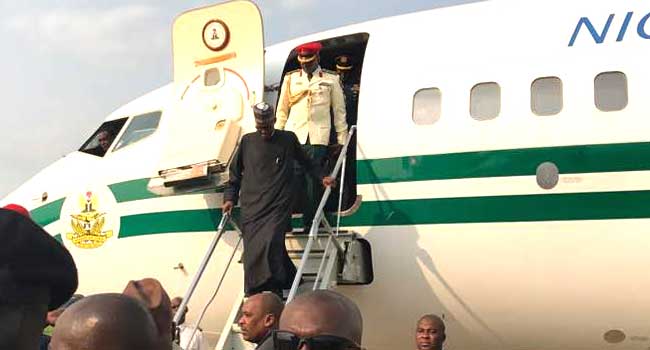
[(330, 72), (292, 71)]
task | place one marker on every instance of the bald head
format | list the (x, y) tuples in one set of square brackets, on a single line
[(269, 303), (105, 322), (435, 319), (323, 312)]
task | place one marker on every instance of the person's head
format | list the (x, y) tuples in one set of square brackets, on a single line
[(54, 315), (37, 274), (104, 322), (152, 295), (343, 66), (308, 56), (104, 138), (430, 333), (18, 209), (176, 304), (264, 120), (260, 315), (320, 320)]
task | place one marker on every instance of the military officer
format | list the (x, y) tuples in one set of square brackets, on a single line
[(344, 68), (306, 98)]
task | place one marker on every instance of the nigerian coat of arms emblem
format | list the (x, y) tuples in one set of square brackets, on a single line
[(88, 225)]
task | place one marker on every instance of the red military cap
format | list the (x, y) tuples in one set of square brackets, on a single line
[(18, 209), (307, 52)]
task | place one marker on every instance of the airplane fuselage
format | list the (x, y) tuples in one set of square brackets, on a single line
[(500, 162)]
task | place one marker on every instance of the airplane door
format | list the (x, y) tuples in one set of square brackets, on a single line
[(218, 54)]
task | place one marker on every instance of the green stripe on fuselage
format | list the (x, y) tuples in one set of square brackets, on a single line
[(131, 190), (200, 220), (48, 213), (134, 190), (515, 162), (518, 208)]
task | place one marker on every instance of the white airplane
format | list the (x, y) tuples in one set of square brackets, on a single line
[(501, 178)]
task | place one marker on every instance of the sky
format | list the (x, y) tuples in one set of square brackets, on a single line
[(67, 64)]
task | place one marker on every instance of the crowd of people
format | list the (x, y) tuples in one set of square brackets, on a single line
[(38, 276)]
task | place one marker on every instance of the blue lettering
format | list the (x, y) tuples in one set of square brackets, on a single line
[(598, 38), (626, 22), (641, 28)]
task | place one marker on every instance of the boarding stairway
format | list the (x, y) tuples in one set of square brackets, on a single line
[(325, 257)]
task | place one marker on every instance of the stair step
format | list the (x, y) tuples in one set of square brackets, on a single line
[(301, 251), (299, 233)]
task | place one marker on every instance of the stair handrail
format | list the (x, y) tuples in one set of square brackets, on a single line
[(318, 217), (327, 255), (225, 218), (216, 291), (341, 187)]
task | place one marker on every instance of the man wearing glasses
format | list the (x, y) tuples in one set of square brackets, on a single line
[(320, 320)]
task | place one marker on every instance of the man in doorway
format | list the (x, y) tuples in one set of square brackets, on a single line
[(430, 333), (261, 174), (307, 96), (260, 316), (350, 85)]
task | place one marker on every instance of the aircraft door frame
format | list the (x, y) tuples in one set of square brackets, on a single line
[(218, 55)]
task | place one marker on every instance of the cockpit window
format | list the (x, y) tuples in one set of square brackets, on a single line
[(141, 126), (102, 139)]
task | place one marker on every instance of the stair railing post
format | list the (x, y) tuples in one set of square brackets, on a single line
[(318, 217), (341, 186)]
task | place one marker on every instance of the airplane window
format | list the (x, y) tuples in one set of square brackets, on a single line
[(140, 127), (546, 96), (485, 101), (426, 106), (610, 91), (99, 143)]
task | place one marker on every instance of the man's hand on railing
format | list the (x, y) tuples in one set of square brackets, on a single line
[(329, 181), (227, 207)]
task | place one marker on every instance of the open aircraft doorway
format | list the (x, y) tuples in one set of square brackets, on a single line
[(349, 49)]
